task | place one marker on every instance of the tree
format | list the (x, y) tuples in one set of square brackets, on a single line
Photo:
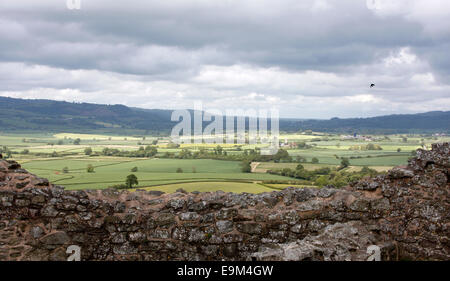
[(60, 142), (131, 180), (321, 181), (399, 149), (65, 170), (314, 160), (25, 151), (77, 141), (372, 146), (194, 170), (282, 155), (246, 167), (105, 151), (303, 174), (150, 151), (185, 153), (179, 170), (88, 151), (134, 169), (90, 168), (303, 145), (300, 159), (345, 162), (367, 171)]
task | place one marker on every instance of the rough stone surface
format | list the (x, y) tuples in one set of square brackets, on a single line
[(337, 242), (405, 213)]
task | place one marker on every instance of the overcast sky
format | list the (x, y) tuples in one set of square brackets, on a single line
[(308, 58)]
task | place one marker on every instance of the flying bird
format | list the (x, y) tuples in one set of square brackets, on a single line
[(372, 85)]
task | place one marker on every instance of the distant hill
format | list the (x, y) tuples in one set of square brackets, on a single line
[(59, 116), (17, 115), (435, 121)]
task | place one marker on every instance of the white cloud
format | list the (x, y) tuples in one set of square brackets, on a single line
[(367, 98), (425, 79), (299, 94), (402, 57), (320, 5)]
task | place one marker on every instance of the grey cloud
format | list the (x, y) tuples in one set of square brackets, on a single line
[(175, 41), (291, 36)]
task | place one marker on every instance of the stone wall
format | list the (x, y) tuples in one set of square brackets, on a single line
[(405, 213)]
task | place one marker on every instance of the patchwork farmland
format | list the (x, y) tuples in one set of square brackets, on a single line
[(63, 158)]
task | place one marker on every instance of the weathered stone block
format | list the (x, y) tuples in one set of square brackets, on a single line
[(224, 226), (250, 228)]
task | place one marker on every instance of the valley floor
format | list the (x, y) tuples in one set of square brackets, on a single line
[(62, 159)]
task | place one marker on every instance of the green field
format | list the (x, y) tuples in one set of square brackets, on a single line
[(264, 166), (150, 171), (47, 154)]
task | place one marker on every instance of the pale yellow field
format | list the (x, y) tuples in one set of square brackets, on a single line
[(262, 167), (297, 136), (377, 168), (91, 137), (236, 187), (283, 186)]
